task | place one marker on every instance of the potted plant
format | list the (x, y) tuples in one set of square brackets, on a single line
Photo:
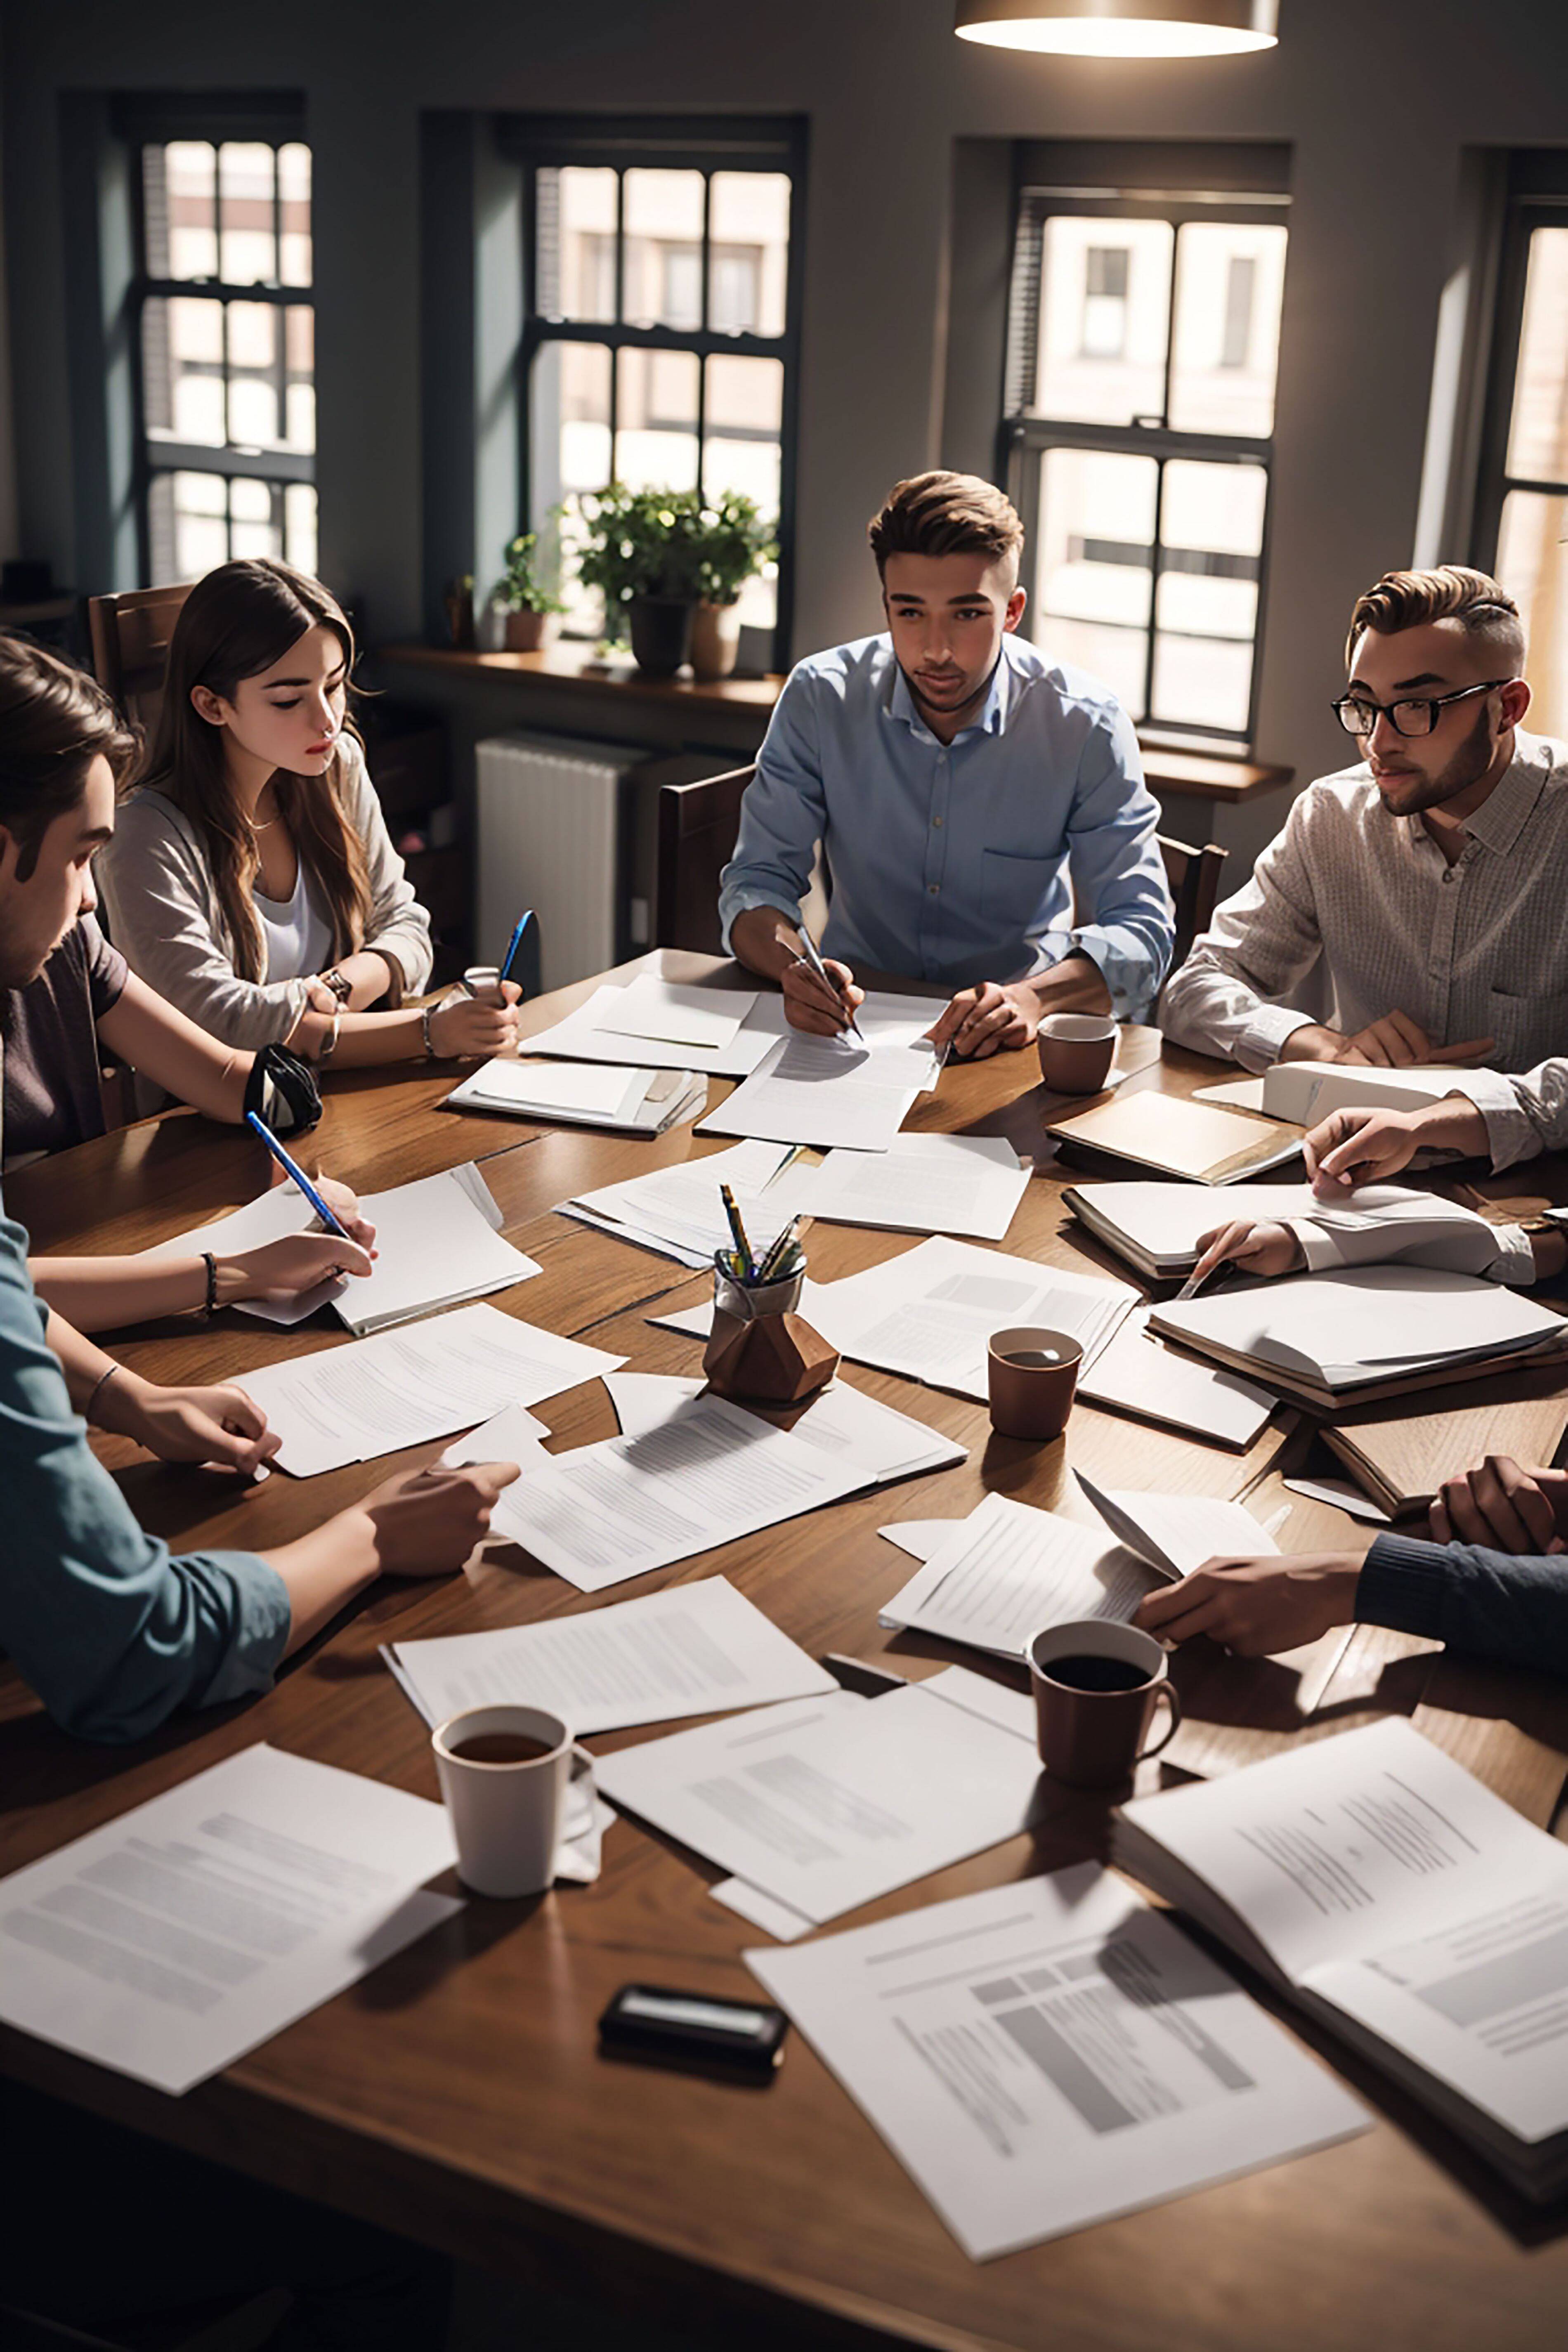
[(642, 551), (529, 604), (736, 543)]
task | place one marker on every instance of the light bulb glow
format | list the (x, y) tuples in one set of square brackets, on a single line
[(1115, 37)]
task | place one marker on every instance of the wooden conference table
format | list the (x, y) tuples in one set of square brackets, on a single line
[(456, 2094)]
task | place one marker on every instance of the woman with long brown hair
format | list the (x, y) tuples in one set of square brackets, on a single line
[(251, 879)]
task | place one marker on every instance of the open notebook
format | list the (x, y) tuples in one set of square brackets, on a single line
[(583, 1094)]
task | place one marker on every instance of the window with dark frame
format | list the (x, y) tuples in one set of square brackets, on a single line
[(1520, 527), (1138, 437), (223, 327), (660, 342)]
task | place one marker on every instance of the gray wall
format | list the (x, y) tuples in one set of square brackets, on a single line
[(1379, 103)]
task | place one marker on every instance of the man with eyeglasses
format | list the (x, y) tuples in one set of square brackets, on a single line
[(1412, 910)]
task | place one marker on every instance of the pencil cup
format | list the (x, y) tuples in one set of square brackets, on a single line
[(760, 1348)]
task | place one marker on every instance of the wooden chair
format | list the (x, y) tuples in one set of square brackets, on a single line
[(129, 639), (697, 828)]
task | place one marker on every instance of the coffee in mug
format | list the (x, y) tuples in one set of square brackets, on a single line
[(505, 1773), (1075, 1050), (1097, 1685), (1031, 1374), (500, 1748)]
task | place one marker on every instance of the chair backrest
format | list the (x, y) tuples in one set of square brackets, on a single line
[(129, 638), (697, 828), (1194, 877)]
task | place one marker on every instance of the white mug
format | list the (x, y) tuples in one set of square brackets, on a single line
[(508, 1817), (482, 982)]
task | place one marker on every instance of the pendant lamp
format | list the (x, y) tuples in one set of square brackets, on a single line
[(1120, 28)]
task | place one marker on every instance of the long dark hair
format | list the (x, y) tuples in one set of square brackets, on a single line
[(237, 622)]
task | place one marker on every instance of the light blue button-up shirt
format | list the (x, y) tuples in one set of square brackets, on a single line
[(961, 861), (111, 1633)]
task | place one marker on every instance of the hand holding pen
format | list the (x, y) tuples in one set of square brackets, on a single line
[(820, 996)]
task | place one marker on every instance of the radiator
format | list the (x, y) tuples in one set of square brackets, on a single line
[(551, 818)]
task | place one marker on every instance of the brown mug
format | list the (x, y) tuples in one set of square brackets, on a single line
[(1032, 1374), (1075, 1050), (1096, 1684)]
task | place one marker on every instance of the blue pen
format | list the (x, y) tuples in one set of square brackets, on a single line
[(515, 941), (291, 1169)]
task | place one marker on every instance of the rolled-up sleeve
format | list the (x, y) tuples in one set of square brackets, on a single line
[(1513, 1609), (158, 893), (111, 1631), (782, 815), (1526, 1113), (1227, 997), (1117, 872)]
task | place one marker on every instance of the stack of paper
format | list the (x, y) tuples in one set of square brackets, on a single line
[(173, 1940), (677, 1211), (1308, 1091), (1051, 2052), (922, 1184), (828, 1091), (1330, 1338), (1157, 1227), (644, 1101), (596, 1031), (437, 1241), (1137, 1373), (826, 1804), (403, 1388), (1410, 1908), (692, 1649), (1200, 1141)]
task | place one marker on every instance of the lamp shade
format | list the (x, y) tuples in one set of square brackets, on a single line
[(1120, 28)]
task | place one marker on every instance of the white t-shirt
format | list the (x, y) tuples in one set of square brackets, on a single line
[(297, 935)]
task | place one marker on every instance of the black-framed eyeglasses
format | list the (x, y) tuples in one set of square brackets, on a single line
[(1411, 715)]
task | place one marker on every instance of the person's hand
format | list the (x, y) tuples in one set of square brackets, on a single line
[(320, 998), (190, 1424), (464, 1029), (1503, 1505), (1256, 1606), (987, 1019), (1394, 1042), (428, 1524), (1367, 1146), (810, 1004), (343, 1203), (1259, 1245), (288, 1267)]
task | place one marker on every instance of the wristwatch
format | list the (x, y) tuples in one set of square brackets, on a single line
[(341, 989)]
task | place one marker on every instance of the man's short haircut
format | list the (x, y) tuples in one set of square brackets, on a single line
[(1408, 600), (946, 514), (55, 721)]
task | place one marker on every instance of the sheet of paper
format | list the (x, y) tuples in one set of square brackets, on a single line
[(826, 1803), (652, 1007), (1343, 1494), (1008, 1571), (1352, 1324), (402, 1387), (1139, 1375), (679, 1211), (840, 1422), (509, 1435), (1236, 1094), (704, 1475), (919, 1537), (1176, 1533), (583, 1036), (924, 1184), (173, 1940), (692, 1649), (1048, 2053), (828, 1091), (931, 1313), (571, 1089)]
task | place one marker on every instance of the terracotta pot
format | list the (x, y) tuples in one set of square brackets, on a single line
[(526, 631), (715, 640), (661, 633)]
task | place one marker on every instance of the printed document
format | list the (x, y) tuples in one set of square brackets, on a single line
[(678, 1212), (692, 1649), (839, 1421), (1050, 2053), (403, 1388), (173, 1940), (826, 1803), (1176, 1533), (924, 1184), (1007, 1571), (827, 1091)]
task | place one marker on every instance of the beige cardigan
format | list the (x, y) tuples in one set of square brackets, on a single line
[(164, 915)]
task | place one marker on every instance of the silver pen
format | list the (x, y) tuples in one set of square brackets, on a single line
[(811, 956)]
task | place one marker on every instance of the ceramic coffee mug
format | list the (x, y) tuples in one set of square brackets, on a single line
[(1032, 1373), (1076, 1050), (1096, 1687), (506, 1798)]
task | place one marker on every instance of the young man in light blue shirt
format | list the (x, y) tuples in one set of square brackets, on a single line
[(982, 809)]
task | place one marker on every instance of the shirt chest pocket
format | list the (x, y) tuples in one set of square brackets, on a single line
[(1014, 889), (1525, 1030)]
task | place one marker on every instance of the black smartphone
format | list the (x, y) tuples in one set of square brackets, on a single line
[(703, 2030)]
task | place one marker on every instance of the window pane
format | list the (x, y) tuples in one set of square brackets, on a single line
[(201, 528), (569, 451), (299, 526), (1230, 279), (1105, 298), (247, 246), (1532, 564), (300, 353), (663, 249), (294, 199), (181, 358), (574, 245), (190, 168), (1538, 438), (256, 512), (1094, 541), (749, 256), (1206, 610), (254, 422), (741, 451), (656, 426)]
